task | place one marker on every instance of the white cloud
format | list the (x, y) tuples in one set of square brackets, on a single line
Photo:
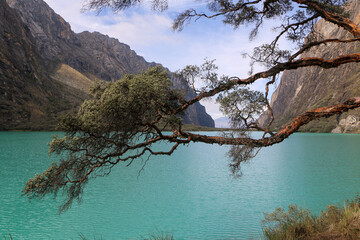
[(137, 30), (151, 36), (212, 108)]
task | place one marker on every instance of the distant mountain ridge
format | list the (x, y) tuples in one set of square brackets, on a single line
[(222, 122), (66, 61), (308, 88)]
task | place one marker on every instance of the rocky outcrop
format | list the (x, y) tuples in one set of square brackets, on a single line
[(58, 56), (308, 88), (351, 124), (90, 53), (28, 98), (112, 58)]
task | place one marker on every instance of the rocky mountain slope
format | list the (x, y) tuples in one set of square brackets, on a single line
[(90, 53), (28, 100), (67, 61), (308, 88)]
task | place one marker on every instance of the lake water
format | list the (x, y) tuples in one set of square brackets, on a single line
[(190, 194)]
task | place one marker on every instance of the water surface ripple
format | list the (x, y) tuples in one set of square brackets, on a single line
[(190, 194)]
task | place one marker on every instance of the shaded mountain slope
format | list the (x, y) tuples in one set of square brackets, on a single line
[(308, 88), (65, 62), (28, 99)]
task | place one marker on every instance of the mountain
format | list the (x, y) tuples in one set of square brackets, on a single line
[(62, 64), (28, 100), (222, 122), (307, 88), (90, 53)]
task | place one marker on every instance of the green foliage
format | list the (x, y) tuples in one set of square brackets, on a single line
[(242, 105), (205, 76), (298, 223), (105, 131), (239, 154), (269, 55), (237, 13), (134, 99)]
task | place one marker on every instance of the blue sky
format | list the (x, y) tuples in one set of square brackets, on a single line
[(150, 35)]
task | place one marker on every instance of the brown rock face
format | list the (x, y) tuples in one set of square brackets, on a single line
[(28, 99), (90, 53), (41, 49), (306, 88)]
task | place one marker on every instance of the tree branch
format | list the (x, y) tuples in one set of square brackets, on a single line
[(310, 45), (284, 133), (340, 21), (304, 62)]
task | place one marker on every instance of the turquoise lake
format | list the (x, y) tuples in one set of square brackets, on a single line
[(190, 194)]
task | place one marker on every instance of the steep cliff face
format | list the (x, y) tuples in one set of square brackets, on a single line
[(73, 60), (90, 53), (307, 88), (27, 97), (115, 58)]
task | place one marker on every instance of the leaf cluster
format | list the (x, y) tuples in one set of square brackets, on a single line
[(102, 133), (201, 78), (243, 106)]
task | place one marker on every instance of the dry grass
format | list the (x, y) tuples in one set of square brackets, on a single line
[(336, 222), (72, 77)]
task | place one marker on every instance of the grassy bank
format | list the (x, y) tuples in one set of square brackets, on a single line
[(337, 222)]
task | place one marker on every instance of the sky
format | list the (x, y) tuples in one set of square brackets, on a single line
[(150, 35)]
